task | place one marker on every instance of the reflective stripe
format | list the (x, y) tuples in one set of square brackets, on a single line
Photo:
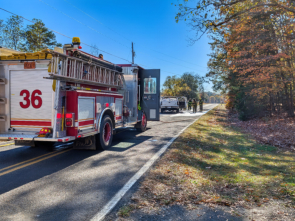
[(30, 123)]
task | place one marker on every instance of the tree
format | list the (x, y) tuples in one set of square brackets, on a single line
[(12, 32), (1, 32), (186, 85), (38, 37), (174, 86), (253, 59), (192, 81), (211, 15)]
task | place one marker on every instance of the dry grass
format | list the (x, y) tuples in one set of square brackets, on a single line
[(214, 162)]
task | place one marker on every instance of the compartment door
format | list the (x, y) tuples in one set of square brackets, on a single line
[(31, 100), (150, 93), (86, 113)]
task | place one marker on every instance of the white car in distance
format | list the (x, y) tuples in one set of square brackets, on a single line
[(170, 104)]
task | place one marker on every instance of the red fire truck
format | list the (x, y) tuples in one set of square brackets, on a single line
[(70, 95)]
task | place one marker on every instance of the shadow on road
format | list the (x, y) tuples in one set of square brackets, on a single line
[(16, 157)]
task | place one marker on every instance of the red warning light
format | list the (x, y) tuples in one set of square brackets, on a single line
[(70, 115), (69, 122), (107, 105)]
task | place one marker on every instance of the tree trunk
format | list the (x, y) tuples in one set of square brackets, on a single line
[(291, 101), (270, 104)]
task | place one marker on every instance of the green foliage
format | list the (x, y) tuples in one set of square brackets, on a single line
[(187, 85), (35, 37), (38, 37), (1, 32), (12, 32)]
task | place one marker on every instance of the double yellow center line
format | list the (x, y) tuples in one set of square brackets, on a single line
[(7, 144), (29, 162)]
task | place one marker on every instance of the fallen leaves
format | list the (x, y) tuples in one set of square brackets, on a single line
[(277, 131)]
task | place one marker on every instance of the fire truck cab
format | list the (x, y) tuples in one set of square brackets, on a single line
[(70, 95)]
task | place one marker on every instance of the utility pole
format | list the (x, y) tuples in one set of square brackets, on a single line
[(133, 54)]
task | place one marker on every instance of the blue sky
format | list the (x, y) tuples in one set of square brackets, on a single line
[(159, 41)]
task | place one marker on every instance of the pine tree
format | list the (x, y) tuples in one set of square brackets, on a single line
[(38, 37)]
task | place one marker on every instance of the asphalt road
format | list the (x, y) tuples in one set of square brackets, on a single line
[(67, 184)]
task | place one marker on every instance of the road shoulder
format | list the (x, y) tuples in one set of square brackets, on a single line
[(206, 174)]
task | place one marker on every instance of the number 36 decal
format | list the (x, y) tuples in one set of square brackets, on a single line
[(34, 99)]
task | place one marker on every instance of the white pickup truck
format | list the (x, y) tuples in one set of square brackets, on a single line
[(169, 103)]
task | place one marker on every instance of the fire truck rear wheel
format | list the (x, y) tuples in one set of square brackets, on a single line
[(105, 136), (141, 126)]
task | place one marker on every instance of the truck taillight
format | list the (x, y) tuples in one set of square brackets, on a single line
[(70, 119), (69, 115)]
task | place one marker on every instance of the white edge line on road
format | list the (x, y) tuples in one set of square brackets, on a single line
[(113, 202)]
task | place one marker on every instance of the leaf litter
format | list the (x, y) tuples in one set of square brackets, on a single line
[(215, 163)]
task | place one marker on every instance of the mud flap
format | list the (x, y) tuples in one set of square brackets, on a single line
[(24, 143), (87, 143)]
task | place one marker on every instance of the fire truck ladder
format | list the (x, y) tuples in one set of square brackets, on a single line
[(71, 69)]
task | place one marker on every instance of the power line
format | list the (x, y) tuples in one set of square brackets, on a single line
[(103, 34), (83, 23), (177, 58), (174, 63), (85, 43), (143, 65), (128, 38), (97, 20), (66, 36)]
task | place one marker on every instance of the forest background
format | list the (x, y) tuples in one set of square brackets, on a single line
[(252, 59)]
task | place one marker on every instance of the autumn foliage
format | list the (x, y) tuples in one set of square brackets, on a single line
[(252, 57)]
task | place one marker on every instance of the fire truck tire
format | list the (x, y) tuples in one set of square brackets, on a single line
[(141, 126), (105, 136)]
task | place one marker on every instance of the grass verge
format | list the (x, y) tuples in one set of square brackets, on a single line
[(213, 162)]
